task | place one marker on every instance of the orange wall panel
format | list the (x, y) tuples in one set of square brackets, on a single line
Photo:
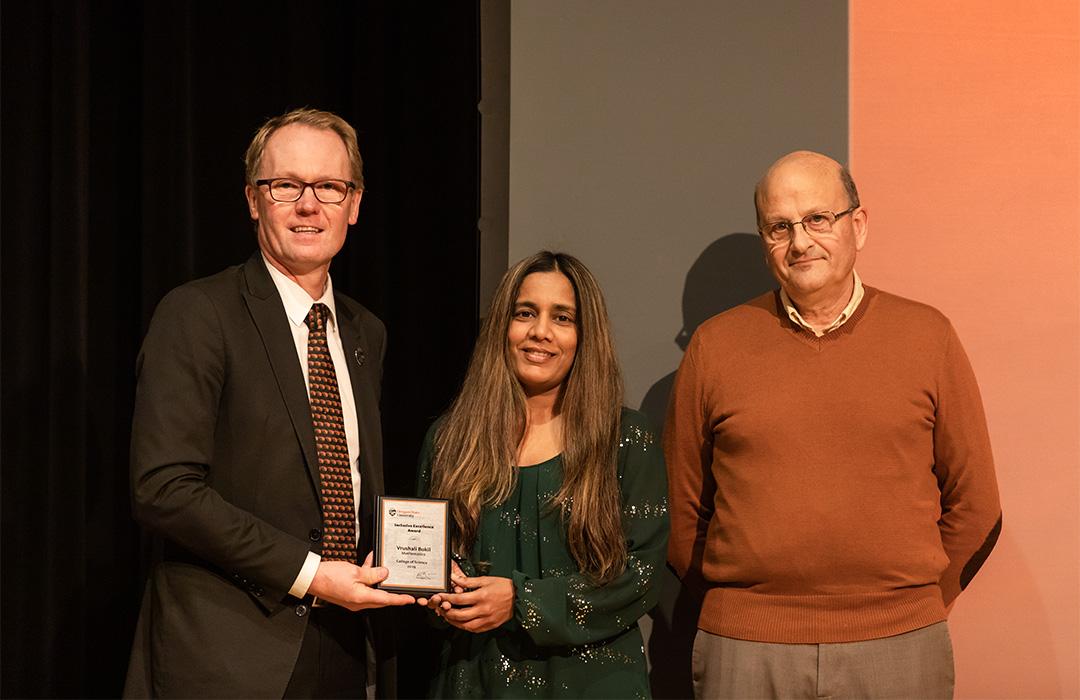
[(965, 143)]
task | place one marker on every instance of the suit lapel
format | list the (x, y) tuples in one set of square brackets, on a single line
[(364, 378), (267, 312)]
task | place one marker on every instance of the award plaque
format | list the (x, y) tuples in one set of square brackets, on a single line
[(412, 540)]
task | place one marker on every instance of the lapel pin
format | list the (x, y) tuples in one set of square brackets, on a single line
[(359, 356)]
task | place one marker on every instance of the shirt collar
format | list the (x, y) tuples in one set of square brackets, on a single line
[(298, 302), (856, 297)]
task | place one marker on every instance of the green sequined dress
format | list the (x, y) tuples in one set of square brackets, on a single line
[(568, 638)]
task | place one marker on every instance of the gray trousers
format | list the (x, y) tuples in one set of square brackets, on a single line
[(918, 664)]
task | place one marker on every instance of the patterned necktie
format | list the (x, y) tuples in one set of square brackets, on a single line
[(331, 445)]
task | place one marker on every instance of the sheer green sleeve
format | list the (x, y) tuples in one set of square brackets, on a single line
[(568, 609)]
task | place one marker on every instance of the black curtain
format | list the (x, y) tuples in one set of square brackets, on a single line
[(124, 126)]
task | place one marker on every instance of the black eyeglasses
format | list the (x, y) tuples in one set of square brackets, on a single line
[(286, 189), (818, 222)]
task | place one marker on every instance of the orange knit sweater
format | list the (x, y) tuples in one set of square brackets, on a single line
[(828, 489)]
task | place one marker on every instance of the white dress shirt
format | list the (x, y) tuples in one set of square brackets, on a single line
[(298, 303)]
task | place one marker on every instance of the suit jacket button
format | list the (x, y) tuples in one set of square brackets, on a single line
[(301, 610), (256, 590), (315, 535)]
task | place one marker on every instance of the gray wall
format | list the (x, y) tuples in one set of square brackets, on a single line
[(637, 130)]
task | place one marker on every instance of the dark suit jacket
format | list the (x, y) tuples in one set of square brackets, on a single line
[(224, 470)]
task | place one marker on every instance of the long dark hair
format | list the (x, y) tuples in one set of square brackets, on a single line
[(476, 443)]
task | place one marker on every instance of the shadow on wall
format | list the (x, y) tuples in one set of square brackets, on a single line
[(980, 627), (729, 271)]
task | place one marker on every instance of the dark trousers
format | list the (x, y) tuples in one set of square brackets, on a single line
[(333, 657)]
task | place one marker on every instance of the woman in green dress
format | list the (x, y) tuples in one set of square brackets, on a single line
[(558, 500)]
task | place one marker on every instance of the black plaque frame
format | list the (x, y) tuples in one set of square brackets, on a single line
[(444, 585)]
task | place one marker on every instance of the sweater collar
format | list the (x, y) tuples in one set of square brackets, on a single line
[(847, 328), (795, 317)]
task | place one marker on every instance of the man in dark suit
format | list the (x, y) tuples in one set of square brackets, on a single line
[(256, 450)]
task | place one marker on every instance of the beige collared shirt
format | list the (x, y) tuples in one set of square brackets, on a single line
[(796, 318), (298, 303)]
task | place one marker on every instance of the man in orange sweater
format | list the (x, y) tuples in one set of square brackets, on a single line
[(832, 488)]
